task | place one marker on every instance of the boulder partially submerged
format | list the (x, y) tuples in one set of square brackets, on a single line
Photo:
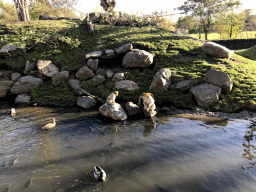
[(114, 111)]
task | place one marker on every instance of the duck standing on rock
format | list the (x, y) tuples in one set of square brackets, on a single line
[(111, 98), (50, 125), (13, 112), (99, 173)]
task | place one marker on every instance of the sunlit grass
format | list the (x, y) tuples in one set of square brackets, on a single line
[(66, 43)]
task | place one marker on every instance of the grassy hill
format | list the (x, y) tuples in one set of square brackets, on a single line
[(67, 42)]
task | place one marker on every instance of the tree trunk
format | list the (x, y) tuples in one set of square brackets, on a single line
[(22, 10)]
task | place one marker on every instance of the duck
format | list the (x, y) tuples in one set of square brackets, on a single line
[(50, 125), (99, 173), (13, 111)]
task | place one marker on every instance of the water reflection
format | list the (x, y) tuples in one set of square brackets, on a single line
[(249, 146), (150, 125)]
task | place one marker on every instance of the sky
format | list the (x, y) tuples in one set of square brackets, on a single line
[(86, 6)]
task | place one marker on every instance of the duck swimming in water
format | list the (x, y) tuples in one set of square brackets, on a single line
[(99, 173), (50, 125)]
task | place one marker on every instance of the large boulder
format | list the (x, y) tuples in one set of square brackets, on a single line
[(60, 76), (96, 80), (132, 109), (76, 85), (23, 99), (219, 78), (5, 86), (206, 93), (217, 50), (24, 85), (126, 84), (84, 73), (137, 58), (161, 80), (47, 68), (12, 49), (114, 111), (124, 48), (86, 102)]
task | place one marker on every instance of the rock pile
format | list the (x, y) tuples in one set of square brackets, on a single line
[(214, 82)]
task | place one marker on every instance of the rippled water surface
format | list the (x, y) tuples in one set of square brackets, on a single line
[(162, 154)]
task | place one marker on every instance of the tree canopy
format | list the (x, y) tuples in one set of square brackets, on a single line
[(208, 10)]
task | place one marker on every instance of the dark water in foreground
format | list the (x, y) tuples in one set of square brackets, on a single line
[(161, 154)]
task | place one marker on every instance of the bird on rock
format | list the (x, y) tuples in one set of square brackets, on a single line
[(13, 111), (99, 173)]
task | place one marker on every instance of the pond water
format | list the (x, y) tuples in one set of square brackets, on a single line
[(165, 153)]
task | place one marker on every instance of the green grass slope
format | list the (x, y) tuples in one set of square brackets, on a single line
[(248, 53), (66, 43)]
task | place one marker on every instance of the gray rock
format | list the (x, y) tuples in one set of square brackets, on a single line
[(23, 99), (58, 77), (217, 50), (29, 67), (95, 54), (15, 76), (5, 86), (132, 109), (161, 80), (1, 74), (75, 84), (137, 58), (126, 84), (84, 73), (114, 111), (100, 72), (109, 52), (149, 113), (96, 80), (24, 85), (124, 48), (186, 84), (206, 93), (100, 46), (12, 49), (109, 73), (47, 68), (86, 102), (93, 64), (118, 77), (219, 78)]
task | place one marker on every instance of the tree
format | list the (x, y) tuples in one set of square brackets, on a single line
[(108, 4), (207, 10), (22, 10), (250, 20), (230, 24)]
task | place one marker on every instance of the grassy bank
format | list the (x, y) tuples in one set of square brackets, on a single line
[(66, 43)]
